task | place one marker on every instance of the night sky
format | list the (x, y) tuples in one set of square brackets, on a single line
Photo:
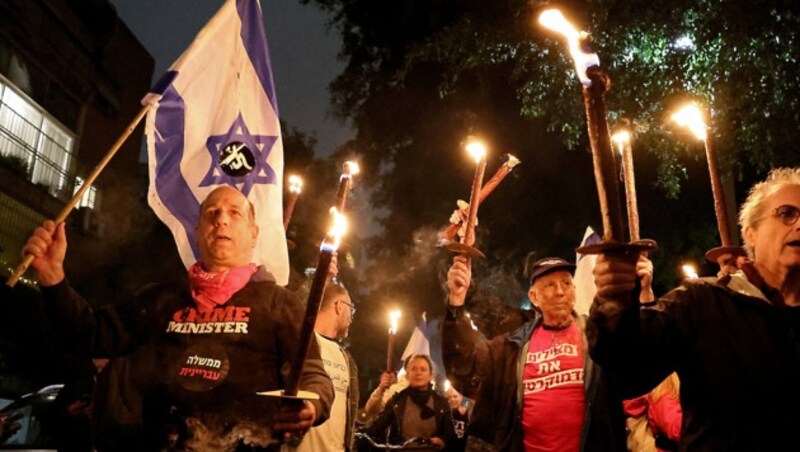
[(303, 54)]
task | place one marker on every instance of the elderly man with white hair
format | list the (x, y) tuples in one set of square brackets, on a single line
[(733, 339)]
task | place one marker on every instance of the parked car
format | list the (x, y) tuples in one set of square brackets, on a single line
[(32, 412)]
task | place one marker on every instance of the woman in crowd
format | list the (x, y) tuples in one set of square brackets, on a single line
[(416, 412)]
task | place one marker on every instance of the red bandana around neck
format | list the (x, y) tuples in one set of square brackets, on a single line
[(210, 289)]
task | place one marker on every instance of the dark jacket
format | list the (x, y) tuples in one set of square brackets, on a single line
[(490, 372), (201, 371), (389, 421), (737, 356)]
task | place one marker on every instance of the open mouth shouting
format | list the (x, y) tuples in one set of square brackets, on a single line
[(220, 239)]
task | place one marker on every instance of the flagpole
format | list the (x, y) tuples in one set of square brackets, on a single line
[(62, 216)]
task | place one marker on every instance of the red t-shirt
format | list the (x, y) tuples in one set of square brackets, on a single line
[(553, 393)]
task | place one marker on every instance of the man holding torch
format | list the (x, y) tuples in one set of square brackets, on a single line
[(336, 311), (233, 332), (733, 339), (535, 387)]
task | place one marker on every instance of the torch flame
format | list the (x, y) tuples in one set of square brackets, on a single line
[(554, 20), (691, 117), (350, 169), (622, 137), (690, 272), (477, 149), (335, 233), (394, 317), (447, 385), (295, 184)]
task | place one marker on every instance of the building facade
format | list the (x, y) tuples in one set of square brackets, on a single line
[(71, 78)]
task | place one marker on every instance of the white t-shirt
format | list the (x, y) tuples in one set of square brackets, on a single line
[(330, 435)]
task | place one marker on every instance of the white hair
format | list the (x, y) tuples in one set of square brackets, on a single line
[(753, 208)]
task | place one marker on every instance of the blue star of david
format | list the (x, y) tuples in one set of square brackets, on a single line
[(259, 145)]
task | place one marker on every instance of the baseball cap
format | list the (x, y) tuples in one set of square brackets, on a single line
[(547, 265)]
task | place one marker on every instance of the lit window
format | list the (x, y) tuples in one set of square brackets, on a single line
[(27, 132), (21, 122)]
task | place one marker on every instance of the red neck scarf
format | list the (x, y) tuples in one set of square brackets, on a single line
[(211, 289)]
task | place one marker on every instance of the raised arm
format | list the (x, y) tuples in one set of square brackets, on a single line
[(463, 349), (640, 346), (48, 245)]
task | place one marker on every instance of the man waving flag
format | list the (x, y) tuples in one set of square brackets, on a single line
[(214, 121)]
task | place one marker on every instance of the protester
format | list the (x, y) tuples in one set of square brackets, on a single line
[(534, 387), (117, 403), (732, 340), (654, 419), (389, 384), (665, 414), (68, 419), (211, 347), (460, 415), (416, 412), (333, 322)]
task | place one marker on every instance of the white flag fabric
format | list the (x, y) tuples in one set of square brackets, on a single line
[(418, 343), (213, 121), (583, 279)]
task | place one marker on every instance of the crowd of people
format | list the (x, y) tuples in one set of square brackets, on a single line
[(702, 367)]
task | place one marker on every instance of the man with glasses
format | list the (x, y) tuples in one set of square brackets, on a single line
[(734, 340), (333, 322)]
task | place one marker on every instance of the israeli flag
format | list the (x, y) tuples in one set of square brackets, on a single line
[(584, 278), (214, 121), (419, 342)]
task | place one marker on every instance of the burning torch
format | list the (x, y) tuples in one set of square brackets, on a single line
[(478, 151), (456, 221), (295, 187), (689, 271), (691, 117), (349, 169), (623, 140), (327, 249), (596, 83), (394, 319)]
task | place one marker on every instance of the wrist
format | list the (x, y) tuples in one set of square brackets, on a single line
[(646, 295), (455, 300), (52, 277)]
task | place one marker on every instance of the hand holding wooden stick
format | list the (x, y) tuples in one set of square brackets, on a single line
[(458, 219)]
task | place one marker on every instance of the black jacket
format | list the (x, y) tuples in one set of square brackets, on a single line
[(388, 424), (737, 356), (200, 371)]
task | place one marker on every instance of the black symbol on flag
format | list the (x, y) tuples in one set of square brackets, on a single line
[(236, 159)]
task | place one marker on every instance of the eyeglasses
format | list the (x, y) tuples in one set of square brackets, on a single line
[(352, 307), (787, 214)]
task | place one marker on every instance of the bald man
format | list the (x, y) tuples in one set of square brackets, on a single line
[(208, 347)]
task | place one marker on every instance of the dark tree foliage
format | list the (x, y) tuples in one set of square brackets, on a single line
[(422, 75)]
